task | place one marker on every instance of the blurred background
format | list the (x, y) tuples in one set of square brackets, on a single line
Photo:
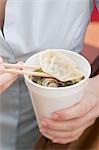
[(91, 42), (95, 15)]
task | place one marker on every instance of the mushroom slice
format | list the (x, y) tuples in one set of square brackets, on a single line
[(49, 82)]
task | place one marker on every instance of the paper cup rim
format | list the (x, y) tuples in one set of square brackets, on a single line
[(61, 88)]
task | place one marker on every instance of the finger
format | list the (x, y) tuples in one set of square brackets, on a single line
[(55, 134), (66, 134), (69, 124), (7, 77), (78, 110), (60, 125), (1, 69), (4, 85), (20, 63), (72, 138)]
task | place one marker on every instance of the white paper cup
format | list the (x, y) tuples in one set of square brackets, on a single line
[(47, 100)]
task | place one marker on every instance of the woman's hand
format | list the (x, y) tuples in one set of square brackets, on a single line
[(67, 125), (6, 79)]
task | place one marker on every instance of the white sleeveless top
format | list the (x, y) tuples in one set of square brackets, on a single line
[(33, 25)]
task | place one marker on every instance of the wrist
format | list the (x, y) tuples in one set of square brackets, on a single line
[(96, 81), (97, 92)]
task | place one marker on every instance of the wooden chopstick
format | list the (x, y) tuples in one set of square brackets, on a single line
[(15, 68), (20, 66), (22, 72)]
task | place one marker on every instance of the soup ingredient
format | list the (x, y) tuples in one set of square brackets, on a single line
[(52, 82), (59, 65)]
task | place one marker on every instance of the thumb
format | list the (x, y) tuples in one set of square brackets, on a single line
[(86, 104)]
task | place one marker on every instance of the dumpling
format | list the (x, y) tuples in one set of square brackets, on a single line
[(59, 65)]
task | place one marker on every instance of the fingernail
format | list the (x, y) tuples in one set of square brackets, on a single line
[(44, 123), (42, 130)]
